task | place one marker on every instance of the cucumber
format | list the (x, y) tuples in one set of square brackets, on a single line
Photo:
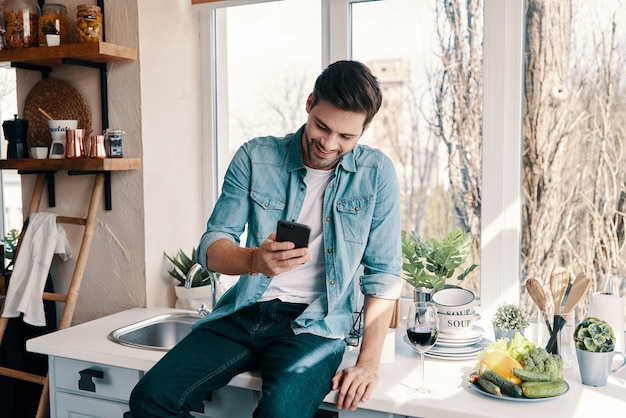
[(545, 389), (530, 383), (488, 386), (507, 387), (531, 376)]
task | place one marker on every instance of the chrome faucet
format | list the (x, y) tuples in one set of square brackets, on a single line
[(191, 274), (203, 310)]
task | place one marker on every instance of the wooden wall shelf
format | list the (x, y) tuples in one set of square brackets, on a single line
[(71, 164), (96, 52)]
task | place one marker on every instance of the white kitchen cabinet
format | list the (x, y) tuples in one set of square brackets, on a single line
[(86, 389), (81, 389)]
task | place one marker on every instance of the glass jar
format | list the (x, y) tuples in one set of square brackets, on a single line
[(114, 141), (88, 23), (21, 18), (54, 16)]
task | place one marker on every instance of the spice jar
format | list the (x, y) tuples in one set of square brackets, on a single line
[(88, 23), (114, 139), (21, 18), (54, 17)]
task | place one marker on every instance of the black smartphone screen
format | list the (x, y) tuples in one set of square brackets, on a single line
[(294, 232)]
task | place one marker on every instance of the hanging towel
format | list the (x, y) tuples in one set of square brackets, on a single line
[(42, 239)]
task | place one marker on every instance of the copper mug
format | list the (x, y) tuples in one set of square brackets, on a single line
[(75, 146), (96, 147)]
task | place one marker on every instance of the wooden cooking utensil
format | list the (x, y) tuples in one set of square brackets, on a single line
[(559, 279), (579, 290), (538, 295)]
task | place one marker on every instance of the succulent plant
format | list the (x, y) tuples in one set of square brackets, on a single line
[(595, 335), (431, 262), (510, 316), (182, 264)]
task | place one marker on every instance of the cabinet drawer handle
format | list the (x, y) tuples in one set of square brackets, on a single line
[(86, 376)]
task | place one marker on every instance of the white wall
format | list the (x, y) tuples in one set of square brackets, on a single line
[(156, 101)]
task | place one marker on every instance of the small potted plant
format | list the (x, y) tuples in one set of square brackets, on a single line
[(595, 344), (52, 33), (509, 319), (194, 284), (430, 263), (39, 150)]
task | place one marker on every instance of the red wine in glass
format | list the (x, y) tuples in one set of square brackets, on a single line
[(422, 330), (422, 337)]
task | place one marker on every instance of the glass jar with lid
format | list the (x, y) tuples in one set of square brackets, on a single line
[(88, 23), (54, 16), (21, 19)]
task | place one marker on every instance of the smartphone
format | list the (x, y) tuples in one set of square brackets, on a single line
[(294, 232)]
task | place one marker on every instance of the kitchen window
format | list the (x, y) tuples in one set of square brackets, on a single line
[(343, 29)]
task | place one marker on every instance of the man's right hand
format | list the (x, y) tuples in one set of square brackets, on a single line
[(274, 257)]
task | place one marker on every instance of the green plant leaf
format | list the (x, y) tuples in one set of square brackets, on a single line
[(182, 264), (430, 263)]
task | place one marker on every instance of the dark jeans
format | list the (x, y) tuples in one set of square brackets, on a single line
[(296, 369)]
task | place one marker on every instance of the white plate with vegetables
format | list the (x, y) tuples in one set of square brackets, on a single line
[(517, 370)]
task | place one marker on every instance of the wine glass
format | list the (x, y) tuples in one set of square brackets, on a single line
[(422, 329)]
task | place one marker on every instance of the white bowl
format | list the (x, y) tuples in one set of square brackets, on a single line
[(457, 324), (455, 301)]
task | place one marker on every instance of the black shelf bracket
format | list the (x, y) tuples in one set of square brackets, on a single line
[(104, 90), (45, 71), (108, 205)]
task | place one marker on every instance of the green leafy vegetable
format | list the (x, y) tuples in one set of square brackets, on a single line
[(518, 347)]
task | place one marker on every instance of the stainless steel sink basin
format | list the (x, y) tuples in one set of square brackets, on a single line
[(159, 333)]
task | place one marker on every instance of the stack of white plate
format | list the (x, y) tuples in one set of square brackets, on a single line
[(463, 346)]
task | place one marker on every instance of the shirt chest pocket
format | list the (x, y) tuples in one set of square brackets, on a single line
[(354, 216), (267, 211)]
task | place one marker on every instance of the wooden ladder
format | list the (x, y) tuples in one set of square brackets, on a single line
[(70, 298)]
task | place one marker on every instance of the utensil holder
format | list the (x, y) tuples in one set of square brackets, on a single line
[(555, 334)]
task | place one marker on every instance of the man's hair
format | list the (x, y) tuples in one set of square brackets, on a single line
[(350, 86)]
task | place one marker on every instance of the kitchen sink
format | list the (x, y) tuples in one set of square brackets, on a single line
[(159, 333)]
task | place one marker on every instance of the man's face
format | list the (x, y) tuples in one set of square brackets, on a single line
[(330, 133)]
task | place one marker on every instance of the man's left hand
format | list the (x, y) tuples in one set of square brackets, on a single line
[(354, 385)]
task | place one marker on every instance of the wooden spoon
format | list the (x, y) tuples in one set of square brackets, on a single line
[(559, 280), (579, 290), (538, 295)]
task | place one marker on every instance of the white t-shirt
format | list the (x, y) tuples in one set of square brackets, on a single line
[(306, 283)]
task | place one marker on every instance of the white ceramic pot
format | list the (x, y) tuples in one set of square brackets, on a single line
[(500, 333), (194, 297), (457, 324), (455, 301), (53, 40), (39, 152), (595, 368)]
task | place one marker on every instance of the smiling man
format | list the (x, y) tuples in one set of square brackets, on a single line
[(291, 310)]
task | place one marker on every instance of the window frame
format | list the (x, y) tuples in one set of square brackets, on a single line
[(502, 128)]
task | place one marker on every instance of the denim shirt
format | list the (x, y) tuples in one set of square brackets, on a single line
[(361, 226)]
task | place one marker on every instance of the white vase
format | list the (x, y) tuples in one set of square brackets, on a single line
[(193, 298)]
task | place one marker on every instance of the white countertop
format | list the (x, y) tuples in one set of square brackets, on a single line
[(88, 342)]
